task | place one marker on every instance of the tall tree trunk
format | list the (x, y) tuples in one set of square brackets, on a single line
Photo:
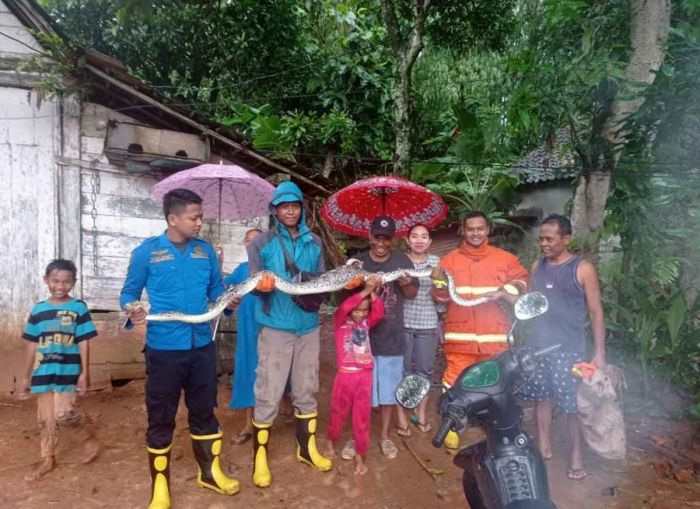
[(406, 49), (650, 21)]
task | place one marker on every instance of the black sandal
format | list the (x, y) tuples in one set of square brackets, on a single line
[(403, 432)]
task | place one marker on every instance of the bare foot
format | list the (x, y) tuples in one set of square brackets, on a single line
[(545, 451), (330, 450), (46, 466), (360, 466), (90, 450), (577, 464)]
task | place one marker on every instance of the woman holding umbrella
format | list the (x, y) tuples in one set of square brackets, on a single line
[(246, 356)]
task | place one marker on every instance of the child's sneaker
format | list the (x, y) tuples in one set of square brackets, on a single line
[(348, 451), (388, 448)]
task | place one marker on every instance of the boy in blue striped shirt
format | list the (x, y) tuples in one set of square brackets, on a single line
[(57, 359)]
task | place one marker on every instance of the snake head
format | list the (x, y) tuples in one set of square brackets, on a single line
[(132, 306), (354, 262)]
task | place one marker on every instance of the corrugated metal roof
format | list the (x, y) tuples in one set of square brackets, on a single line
[(550, 161)]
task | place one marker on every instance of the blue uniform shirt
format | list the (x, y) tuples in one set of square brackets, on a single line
[(174, 281)]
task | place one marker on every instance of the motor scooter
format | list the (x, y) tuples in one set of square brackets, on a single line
[(506, 470)]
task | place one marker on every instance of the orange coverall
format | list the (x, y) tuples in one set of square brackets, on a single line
[(475, 333)]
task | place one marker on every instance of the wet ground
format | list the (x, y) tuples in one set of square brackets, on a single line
[(118, 478)]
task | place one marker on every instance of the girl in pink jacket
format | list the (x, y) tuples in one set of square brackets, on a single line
[(352, 388)]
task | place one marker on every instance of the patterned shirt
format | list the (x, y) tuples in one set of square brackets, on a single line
[(58, 328), (422, 312)]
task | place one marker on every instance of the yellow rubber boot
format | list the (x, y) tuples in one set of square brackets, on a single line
[(306, 443), (207, 451), (452, 440), (262, 477), (159, 464)]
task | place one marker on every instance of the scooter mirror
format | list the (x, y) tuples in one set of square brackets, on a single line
[(530, 305), (411, 390)]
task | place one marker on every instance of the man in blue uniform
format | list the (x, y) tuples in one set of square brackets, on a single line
[(180, 273)]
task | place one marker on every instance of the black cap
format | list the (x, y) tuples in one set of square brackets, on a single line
[(383, 225)]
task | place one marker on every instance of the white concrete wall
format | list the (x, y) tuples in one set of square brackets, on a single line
[(28, 208), (548, 197), (21, 43), (126, 214), (31, 189)]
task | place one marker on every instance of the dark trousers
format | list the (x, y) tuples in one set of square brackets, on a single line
[(168, 373)]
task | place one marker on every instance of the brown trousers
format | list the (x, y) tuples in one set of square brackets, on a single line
[(57, 409), (283, 355)]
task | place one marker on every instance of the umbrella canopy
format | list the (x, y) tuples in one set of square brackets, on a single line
[(352, 209), (228, 191)]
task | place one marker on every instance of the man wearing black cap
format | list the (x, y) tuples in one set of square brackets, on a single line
[(387, 338)]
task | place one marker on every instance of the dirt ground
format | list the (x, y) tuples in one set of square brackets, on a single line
[(119, 477)]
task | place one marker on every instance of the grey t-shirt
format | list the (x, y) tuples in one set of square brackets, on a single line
[(388, 337)]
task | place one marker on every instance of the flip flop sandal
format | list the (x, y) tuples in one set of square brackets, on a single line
[(423, 427), (403, 432), (242, 438), (576, 474), (348, 451)]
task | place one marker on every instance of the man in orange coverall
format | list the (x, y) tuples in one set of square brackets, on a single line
[(476, 333)]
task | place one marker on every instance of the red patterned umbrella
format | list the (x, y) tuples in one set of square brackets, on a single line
[(352, 209)]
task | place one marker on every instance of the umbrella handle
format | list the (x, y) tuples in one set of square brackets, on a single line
[(215, 328)]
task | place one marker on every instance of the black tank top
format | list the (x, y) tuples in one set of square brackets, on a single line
[(565, 320)]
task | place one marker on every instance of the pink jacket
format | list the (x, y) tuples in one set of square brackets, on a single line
[(353, 352)]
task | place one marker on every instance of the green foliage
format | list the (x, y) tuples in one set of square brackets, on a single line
[(467, 188), (569, 62), (652, 283), (312, 81), (463, 25), (464, 176), (302, 78), (59, 66), (295, 132)]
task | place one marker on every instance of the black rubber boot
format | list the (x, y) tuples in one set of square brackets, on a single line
[(159, 464), (207, 449), (306, 443), (262, 477)]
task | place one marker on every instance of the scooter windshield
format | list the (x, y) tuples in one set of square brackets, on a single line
[(484, 374)]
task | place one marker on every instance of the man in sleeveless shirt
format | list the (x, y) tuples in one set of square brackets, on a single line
[(572, 289)]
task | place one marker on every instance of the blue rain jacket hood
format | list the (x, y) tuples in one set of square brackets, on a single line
[(288, 192), (265, 253)]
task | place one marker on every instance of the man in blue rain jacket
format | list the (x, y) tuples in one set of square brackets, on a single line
[(288, 342)]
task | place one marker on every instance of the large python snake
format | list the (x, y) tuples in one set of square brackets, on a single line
[(331, 281)]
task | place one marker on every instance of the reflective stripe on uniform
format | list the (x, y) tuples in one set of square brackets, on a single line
[(476, 290), (479, 338)]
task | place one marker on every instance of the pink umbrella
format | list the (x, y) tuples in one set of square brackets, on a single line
[(228, 192)]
